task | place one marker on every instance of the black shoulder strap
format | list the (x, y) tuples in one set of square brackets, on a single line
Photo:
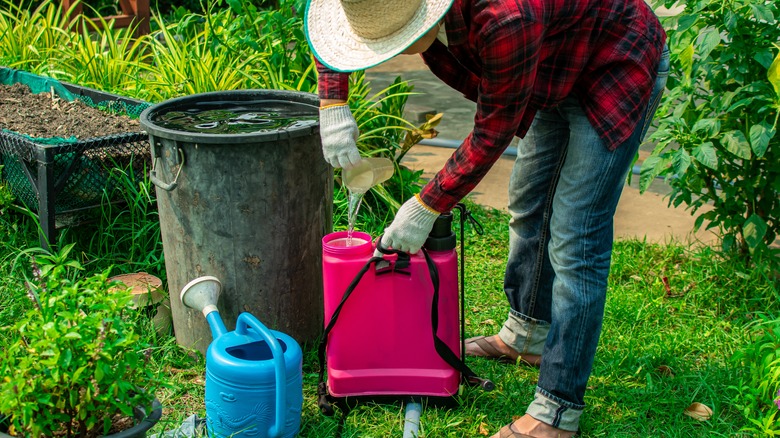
[(445, 352), (322, 390)]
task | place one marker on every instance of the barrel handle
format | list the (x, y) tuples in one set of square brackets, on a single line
[(247, 319), (160, 183)]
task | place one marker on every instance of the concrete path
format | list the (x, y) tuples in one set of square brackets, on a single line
[(646, 216)]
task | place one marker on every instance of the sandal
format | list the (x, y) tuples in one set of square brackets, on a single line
[(488, 348), (509, 432)]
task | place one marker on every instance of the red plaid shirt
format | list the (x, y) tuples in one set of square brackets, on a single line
[(514, 58)]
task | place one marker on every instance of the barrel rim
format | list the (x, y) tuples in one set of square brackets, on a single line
[(154, 130)]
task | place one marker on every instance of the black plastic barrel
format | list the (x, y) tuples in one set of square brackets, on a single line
[(249, 209)]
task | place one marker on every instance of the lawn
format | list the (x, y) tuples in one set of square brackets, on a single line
[(675, 318)]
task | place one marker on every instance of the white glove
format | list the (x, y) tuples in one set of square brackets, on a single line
[(339, 132), (411, 226)]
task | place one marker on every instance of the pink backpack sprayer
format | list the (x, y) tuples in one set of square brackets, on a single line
[(392, 331)]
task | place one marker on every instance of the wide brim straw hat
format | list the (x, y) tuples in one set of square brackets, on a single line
[(350, 35)]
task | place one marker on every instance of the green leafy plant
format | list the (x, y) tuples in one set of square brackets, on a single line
[(6, 196), (718, 142), (76, 361), (274, 34)]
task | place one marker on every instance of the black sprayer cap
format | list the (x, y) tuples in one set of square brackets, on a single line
[(441, 237)]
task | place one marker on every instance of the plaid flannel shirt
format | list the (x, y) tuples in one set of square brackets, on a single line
[(514, 58)]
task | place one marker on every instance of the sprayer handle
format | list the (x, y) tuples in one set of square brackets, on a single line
[(246, 320)]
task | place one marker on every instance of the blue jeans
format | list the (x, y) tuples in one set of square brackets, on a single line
[(563, 193)]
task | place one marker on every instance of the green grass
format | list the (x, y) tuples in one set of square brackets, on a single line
[(692, 332)]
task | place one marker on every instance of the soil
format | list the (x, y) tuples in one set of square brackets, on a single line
[(43, 115)]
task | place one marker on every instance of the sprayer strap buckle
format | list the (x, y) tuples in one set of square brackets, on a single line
[(402, 261), (388, 267)]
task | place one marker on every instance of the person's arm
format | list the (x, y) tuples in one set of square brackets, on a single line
[(509, 53), (509, 57), (338, 129), (443, 64), (332, 86)]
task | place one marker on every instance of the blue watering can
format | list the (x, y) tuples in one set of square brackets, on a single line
[(254, 378)]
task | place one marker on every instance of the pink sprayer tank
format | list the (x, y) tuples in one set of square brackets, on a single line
[(382, 342)]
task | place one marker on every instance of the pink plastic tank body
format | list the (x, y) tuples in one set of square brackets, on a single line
[(382, 343)]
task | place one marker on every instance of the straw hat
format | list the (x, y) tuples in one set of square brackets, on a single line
[(349, 35)]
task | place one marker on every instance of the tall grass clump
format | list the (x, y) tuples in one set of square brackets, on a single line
[(109, 60), (29, 39)]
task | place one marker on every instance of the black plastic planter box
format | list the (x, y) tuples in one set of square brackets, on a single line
[(55, 179)]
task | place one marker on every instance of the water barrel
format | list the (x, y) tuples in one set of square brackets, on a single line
[(247, 208)]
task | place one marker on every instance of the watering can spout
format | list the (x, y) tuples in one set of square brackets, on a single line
[(202, 294), (215, 323)]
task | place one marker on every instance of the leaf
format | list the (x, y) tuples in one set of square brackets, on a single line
[(737, 144), (706, 155), (686, 60), (773, 73), (729, 242), (754, 231), (680, 161), (707, 41), (710, 126), (760, 135), (763, 57), (698, 411), (762, 13), (699, 221), (648, 172), (685, 22)]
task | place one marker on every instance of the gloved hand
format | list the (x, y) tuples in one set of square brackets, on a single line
[(411, 226), (339, 132)]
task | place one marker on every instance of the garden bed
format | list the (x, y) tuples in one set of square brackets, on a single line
[(46, 115), (60, 144)]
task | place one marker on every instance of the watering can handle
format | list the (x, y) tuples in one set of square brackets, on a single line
[(246, 320)]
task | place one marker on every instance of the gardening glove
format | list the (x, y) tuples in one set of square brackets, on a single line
[(339, 132), (411, 226)]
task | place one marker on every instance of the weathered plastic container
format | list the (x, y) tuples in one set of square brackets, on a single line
[(247, 208), (382, 342)]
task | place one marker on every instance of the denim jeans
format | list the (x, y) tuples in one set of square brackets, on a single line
[(563, 192)]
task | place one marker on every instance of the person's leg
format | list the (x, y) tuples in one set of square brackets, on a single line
[(580, 248), (529, 275)]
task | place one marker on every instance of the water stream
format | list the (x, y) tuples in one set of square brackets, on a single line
[(353, 206)]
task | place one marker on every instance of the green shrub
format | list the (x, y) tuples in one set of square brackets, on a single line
[(76, 359), (717, 143)]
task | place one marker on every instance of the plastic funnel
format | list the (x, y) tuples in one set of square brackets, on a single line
[(368, 173)]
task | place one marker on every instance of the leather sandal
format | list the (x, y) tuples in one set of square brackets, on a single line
[(488, 348), (509, 432)]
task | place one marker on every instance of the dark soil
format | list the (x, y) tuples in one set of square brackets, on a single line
[(44, 116)]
